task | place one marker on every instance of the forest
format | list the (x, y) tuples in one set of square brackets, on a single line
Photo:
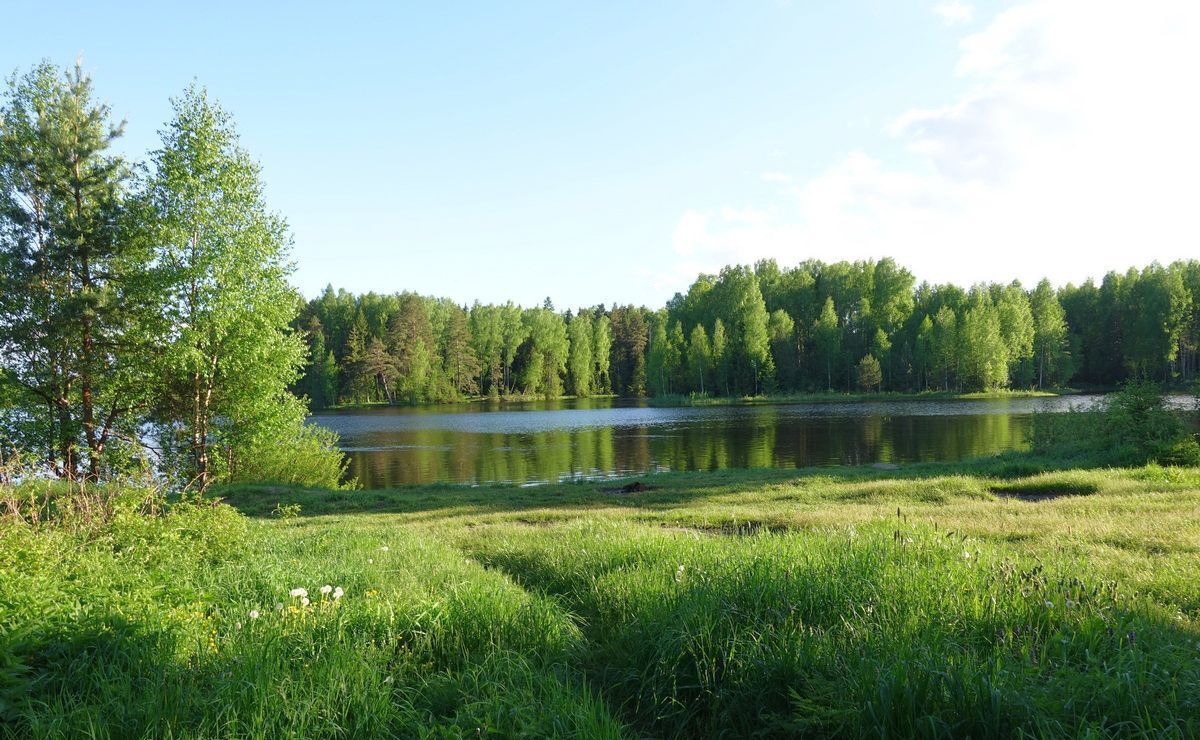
[(145, 307), (766, 329)]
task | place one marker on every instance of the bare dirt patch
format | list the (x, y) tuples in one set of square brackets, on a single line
[(635, 487), (1035, 491)]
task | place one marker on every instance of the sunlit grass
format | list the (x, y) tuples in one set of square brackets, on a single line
[(983, 599)]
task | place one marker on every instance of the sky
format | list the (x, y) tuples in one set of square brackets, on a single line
[(601, 152)]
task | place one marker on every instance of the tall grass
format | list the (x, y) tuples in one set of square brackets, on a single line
[(976, 599), (169, 626), (878, 630)]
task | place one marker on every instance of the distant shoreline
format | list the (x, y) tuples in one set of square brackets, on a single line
[(782, 399), (834, 397)]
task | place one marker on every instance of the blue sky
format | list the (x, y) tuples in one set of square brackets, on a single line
[(600, 152)]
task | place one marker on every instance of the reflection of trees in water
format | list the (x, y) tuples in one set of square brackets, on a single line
[(761, 439)]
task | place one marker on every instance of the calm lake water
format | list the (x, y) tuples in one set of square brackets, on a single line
[(564, 440)]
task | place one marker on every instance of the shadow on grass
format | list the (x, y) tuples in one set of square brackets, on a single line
[(842, 646)]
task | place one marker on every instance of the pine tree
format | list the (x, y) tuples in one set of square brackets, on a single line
[(74, 334)]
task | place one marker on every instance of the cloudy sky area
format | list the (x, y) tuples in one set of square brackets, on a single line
[(1071, 150), (611, 152)]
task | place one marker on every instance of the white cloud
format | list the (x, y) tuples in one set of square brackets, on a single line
[(954, 12), (1075, 150)]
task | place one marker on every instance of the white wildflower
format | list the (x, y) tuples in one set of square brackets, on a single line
[(326, 589), (298, 593), (385, 548), (254, 614), (966, 555), (370, 561)]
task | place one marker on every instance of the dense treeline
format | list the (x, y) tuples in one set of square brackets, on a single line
[(145, 309), (814, 327)]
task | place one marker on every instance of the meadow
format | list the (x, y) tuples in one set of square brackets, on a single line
[(994, 598)]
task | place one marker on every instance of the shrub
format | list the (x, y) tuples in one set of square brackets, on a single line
[(305, 456), (1138, 427), (1134, 428)]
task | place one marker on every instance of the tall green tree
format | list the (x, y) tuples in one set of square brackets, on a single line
[(827, 341), (781, 330), (72, 337), (320, 380), (923, 352), (658, 371), (699, 357), (1051, 349), (720, 356), (487, 342), (944, 346), (1156, 306), (630, 336), (580, 363), (746, 317), (514, 331), (458, 355), (549, 348), (1016, 330), (222, 267), (981, 346), (602, 352), (411, 342)]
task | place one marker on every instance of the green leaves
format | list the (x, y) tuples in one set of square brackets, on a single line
[(229, 354)]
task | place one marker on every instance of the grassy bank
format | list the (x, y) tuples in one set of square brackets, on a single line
[(767, 399), (984, 598), (514, 398), (854, 397)]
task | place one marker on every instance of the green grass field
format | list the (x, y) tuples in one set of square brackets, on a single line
[(983, 599)]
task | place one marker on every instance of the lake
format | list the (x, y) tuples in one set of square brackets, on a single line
[(602, 438)]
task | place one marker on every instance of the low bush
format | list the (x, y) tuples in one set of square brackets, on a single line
[(1134, 427)]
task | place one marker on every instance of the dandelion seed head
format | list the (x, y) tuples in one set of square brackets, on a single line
[(338, 593), (305, 601), (254, 614), (298, 593), (326, 589)]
